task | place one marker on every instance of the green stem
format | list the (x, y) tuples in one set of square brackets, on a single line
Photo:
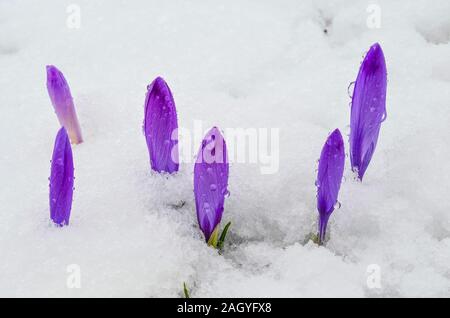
[(186, 291), (223, 236)]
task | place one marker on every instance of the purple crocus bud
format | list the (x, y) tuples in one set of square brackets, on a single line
[(161, 127), (210, 183), (62, 101), (61, 179), (329, 177), (368, 109)]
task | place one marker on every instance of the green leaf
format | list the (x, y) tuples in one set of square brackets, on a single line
[(223, 236), (312, 237), (186, 291), (214, 237)]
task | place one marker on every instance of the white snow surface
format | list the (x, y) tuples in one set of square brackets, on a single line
[(231, 64)]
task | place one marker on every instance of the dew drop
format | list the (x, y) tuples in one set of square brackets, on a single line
[(226, 193), (350, 89), (337, 205), (213, 187)]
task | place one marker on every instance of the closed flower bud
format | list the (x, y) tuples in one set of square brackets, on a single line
[(62, 101), (61, 179)]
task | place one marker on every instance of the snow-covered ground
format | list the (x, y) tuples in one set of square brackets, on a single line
[(238, 64)]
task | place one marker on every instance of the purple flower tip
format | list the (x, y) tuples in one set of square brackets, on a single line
[(368, 109), (61, 179), (329, 178), (211, 181), (161, 127), (62, 101)]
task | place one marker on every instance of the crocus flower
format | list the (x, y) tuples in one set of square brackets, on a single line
[(329, 177), (161, 127), (210, 183), (62, 101), (61, 179), (368, 109)]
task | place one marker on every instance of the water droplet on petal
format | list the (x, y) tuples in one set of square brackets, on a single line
[(213, 187), (337, 205), (350, 89)]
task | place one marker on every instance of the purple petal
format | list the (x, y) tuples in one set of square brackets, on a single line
[(61, 179), (368, 109), (329, 178), (62, 101), (211, 181), (161, 127)]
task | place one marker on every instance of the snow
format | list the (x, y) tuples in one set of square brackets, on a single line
[(239, 64)]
